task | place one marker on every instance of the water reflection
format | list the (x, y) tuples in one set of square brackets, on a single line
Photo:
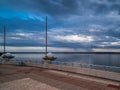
[(96, 59)]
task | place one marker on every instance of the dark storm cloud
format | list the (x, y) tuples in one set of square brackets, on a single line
[(54, 9), (51, 7), (97, 20), (62, 7), (66, 8)]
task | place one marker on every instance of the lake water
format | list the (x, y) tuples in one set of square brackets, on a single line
[(106, 62), (95, 59)]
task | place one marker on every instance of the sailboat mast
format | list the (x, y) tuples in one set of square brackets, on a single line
[(47, 58), (4, 38), (46, 36)]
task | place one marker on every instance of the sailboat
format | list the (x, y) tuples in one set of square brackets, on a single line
[(6, 56), (1, 53), (48, 56)]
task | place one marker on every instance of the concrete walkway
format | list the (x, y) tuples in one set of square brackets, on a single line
[(26, 84), (44, 79)]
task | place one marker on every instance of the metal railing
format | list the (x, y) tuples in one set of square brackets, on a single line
[(72, 64)]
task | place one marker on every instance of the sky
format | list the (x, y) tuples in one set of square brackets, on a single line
[(73, 25)]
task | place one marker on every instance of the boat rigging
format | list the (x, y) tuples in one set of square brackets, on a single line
[(48, 56), (6, 56)]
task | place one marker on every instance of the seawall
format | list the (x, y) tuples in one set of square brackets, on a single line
[(86, 71)]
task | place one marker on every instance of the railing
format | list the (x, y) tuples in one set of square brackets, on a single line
[(72, 64), (91, 66)]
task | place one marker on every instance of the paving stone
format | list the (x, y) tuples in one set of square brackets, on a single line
[(32, 78)]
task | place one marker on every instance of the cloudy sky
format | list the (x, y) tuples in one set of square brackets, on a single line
[(73, 25)]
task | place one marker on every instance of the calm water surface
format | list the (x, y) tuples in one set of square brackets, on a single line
[(96, 59)]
